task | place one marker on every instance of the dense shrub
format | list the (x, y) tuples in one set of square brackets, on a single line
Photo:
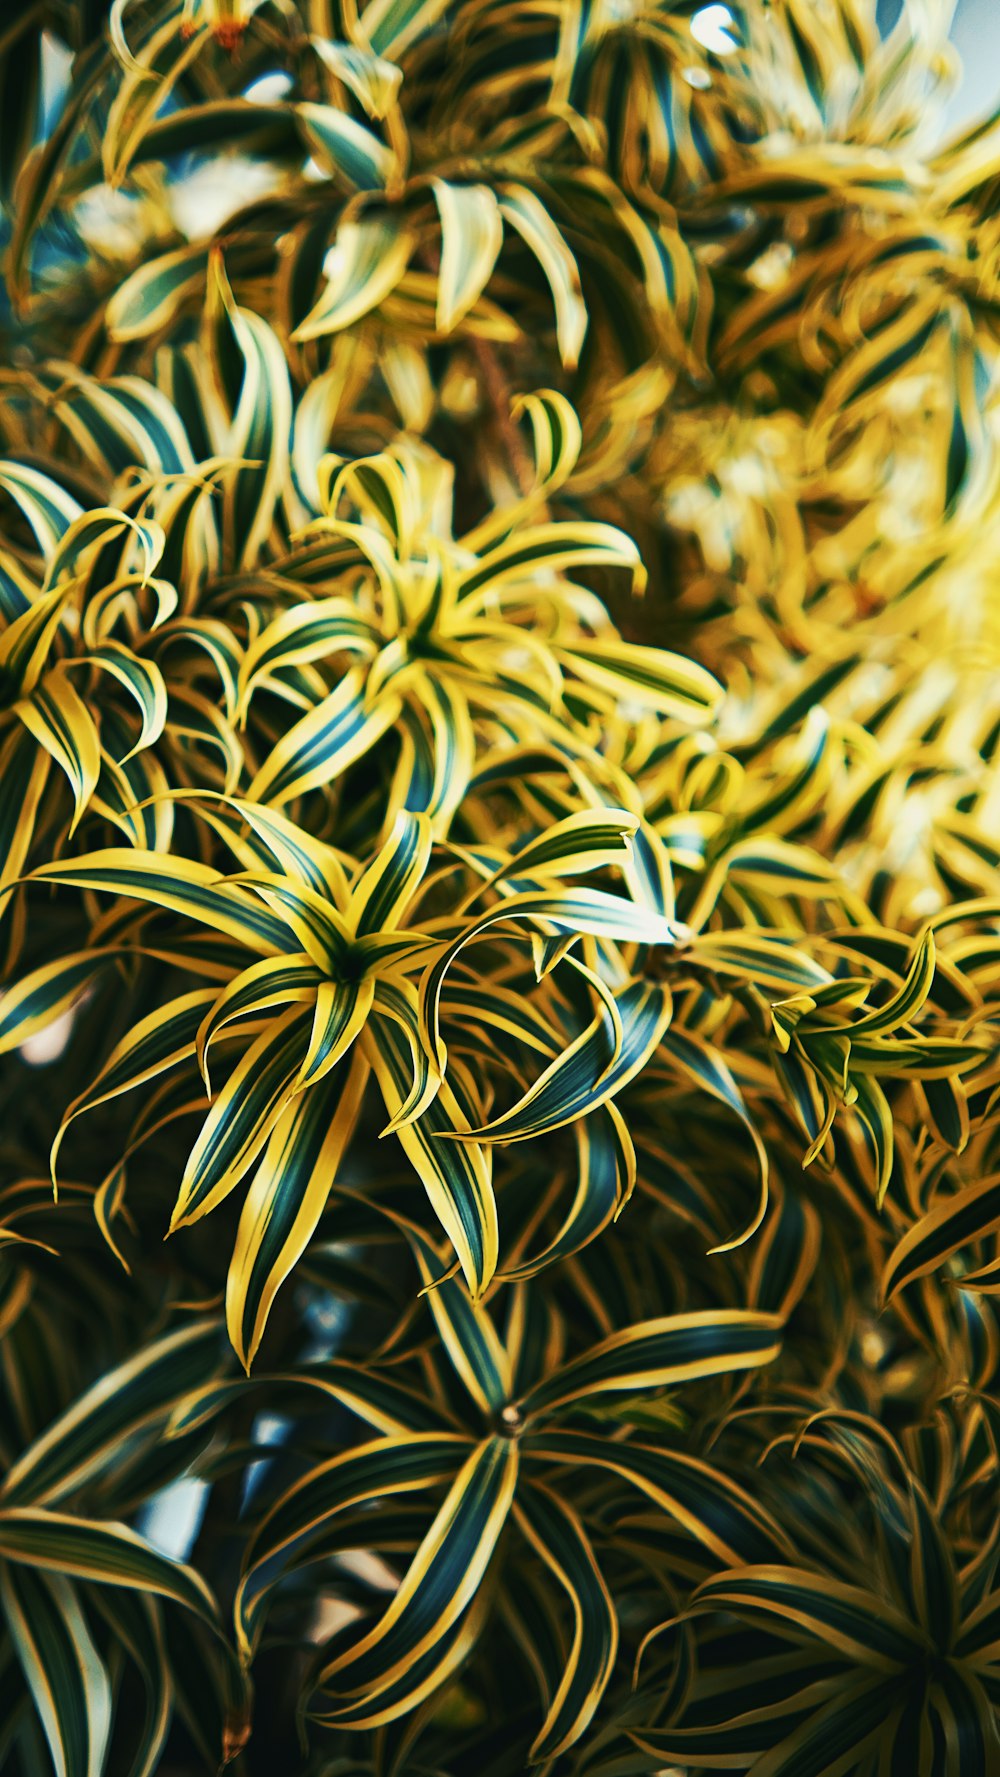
[(498, 861)]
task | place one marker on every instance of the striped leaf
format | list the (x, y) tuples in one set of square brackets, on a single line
[(426, 1673), (286, 1199), (103, 1553), (178, 885), (588, 1072), (380, 896), (58, 719), (303, 633), (62, 1669), (321, 745), (86, 1441), (771, 963), (258, 404), (558, 1537), (569, 912), (150, 298), (716, 1511), (465, 1328), (837, 1734), (528, 215), (587, 840), (967, 1216), (903, 1007), (374, 81), (347, 150), (803, 1606), (31, 1004), (376, 1397), (24, 768), (647, 676), (552, 547), (456, 1176), (606, 1175), (242, 1117), (471, 237), (294, 1529), (702, 1063), (273, 981), (439, 1584), (144, 682), (662, 1353), (155, 1044), (871, 1108), (49, 509), (368, 260), (390, 26)]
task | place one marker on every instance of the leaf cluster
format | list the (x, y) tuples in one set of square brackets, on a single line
[(499, 896)]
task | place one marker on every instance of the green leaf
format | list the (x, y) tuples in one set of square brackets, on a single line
[(345, 148), (87, 1440), (558, 1537), (293, 1530), (439, 1584), (104, 1553), (588, 1072), (62, 1669), (528, 215), (471, 237), (455, 1176), (286, 1199), (662, 1353), (320, 746), (803, 1606), (967, 1216), (716, 1511), (367, 261)]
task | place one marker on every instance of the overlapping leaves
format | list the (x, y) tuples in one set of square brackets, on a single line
[(593, 797)]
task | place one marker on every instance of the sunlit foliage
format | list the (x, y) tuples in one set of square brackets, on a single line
[(499, 798)]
